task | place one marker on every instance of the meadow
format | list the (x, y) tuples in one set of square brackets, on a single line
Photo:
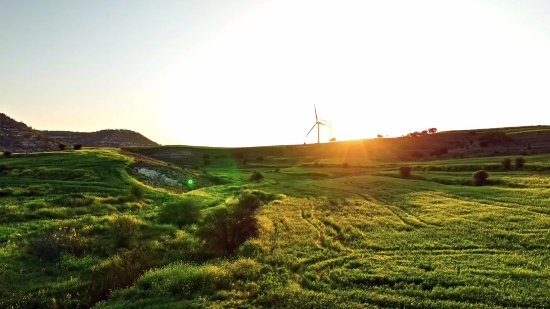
[(332, 235)]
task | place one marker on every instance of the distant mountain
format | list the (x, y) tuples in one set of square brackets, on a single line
[(18, 137), (103, 138)]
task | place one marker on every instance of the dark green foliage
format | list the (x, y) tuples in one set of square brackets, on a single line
[(405, 171), (520, 162), (186, 211), (77, 146), (49, 245), (496, 137), (6, 154), (225, 229), (125, 230), (259, 159), (480, 177), (120, 273), (137, 192), (206, 156), (507, 163), (62, 147), (256, 176), (74, 200)]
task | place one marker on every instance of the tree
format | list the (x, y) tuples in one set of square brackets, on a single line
[(77, 146), (333, 139), (6, 154), (520, 162), (405, 171), (432, 130), (507, 163), (62, 147), (425, 132), (480, 177), (379, 136), (225, 229)]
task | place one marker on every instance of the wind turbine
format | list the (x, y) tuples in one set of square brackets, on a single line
[(318, 123)]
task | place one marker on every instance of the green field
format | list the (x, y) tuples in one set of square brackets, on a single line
[(330, 237)]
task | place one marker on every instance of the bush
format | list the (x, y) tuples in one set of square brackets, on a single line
[(49, 245), (520, 162), (137, 192), (507, 163), (256, 176), (227, 228), (259, 159), (480, 177), (6, 154), (62, 147), (125, 229), (75, 200), (186, 211), (206, 156), (207, 162), (77, 146), (120, 272), (405, 171)]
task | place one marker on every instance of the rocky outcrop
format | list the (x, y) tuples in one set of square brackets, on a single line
[(18, 137), (103, 138)]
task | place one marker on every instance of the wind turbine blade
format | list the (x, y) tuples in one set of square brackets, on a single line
[(310, 130), (315, 112)]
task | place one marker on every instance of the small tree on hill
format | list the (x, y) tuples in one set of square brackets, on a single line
[(520, 162), (62, 147), (77, 146), (227, 228), (379, 136), (480, 177), (333, 139), (405, 171), (256, 176), (6, 154), (432, 130), (507, 163)]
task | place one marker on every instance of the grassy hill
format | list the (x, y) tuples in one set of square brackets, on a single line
[(103, 138), (18, 137), (76, 224)]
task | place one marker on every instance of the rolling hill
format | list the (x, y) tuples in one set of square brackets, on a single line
[(103, 138), (18, 137)]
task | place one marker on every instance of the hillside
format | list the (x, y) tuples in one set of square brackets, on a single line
[(18, 137), (103, 138), (77, 230)]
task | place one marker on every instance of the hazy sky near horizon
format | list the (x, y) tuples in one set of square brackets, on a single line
[(241, 73)]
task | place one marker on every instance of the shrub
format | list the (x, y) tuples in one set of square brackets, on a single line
[(405, 171), (507, 163), (62, 147), (520, 162), (206, 156), (256, 176), (77, 146), (49, 245), (125, 229), (207, 162), (120, 272), (6, 154), (75, 200), (137, 192), (480, 177), (186, 211), (227, 228)]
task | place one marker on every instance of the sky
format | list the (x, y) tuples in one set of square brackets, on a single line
[(249, 72)]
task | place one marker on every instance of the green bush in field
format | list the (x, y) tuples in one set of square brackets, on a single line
[(186, 211), (62, 147), (137, 192), (49, 245), (75, 200), (256, 176), (6, 154), (405, 171), (480, 177), (507, 163), (125, 230), (120, 272), (520, 162), (77, 146), (225, 229)]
